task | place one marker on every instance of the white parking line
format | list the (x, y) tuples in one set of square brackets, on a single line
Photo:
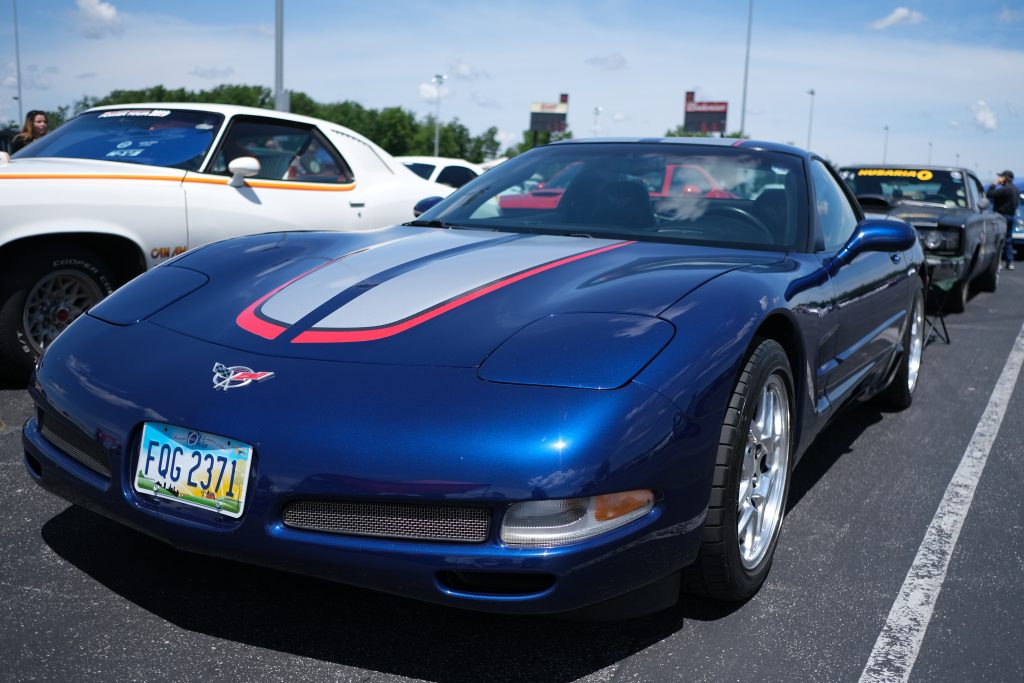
[(896, 649)]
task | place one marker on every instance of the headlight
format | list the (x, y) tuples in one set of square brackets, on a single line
[(940, 240), (931, 239), (547, 523)]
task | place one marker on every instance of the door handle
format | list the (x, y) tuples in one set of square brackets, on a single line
[(357, 205)]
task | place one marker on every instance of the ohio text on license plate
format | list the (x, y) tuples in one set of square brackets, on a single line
[(193, 467)]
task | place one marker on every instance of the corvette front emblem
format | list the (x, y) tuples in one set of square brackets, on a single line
[(231, 377)]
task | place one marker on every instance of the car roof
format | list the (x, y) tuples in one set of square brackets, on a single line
[(232, 110), (696, 142)]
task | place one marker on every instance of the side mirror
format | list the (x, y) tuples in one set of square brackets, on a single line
[(424, 205), (984, 203), (241, 168), (877, 234)]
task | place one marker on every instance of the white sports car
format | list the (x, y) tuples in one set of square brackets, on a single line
[(120, 189)]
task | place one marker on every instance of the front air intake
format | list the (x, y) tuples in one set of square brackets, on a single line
[(442, 523)]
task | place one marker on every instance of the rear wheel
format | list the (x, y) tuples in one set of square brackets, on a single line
[(956, 301), (900, 392), (751, 481), (40, 296)]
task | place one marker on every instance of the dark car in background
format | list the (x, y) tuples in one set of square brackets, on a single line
[(961, 235)]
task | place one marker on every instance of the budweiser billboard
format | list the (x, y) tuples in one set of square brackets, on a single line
[(549, 116), (704, 117)]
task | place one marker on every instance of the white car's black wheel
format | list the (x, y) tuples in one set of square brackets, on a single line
[(751, 481), (900, 392), (40, 296)]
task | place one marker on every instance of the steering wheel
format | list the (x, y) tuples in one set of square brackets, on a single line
[(744, 216)]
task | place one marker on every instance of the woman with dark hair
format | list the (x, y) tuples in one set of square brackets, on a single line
[(36, 126)]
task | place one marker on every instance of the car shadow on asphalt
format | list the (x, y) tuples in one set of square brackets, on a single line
[(349, 626), (834, 442)]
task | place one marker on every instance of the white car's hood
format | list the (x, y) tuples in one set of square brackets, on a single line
[(50, 166)]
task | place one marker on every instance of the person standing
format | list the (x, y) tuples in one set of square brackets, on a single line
[(1005, 197), (36, 126)]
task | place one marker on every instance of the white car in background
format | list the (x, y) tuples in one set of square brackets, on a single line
[(444, 170), (118, 190)]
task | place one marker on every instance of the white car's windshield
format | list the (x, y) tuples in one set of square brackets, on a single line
[(153, 137)]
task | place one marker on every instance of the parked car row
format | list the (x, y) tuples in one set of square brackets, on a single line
[(570, 406)]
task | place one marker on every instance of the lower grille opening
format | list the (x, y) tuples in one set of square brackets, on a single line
[(34, 466), (496, 583), (444, 523), (74, 443)]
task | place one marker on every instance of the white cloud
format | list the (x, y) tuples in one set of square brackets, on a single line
[(900, 15), (610, 62), (464, 71), (484, 101), (212, 72), (86, 75), (97, 19), (984, 118), (619, 117), (33, 77), (431, 92)]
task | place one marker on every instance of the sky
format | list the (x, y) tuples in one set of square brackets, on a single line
[(903, 81)]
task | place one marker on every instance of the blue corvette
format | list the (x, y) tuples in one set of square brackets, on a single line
[(575, 406)]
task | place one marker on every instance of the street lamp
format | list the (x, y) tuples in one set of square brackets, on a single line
[(437, 80), (281, 99), (885, 145), (929, 152), (17, 59), (810, 120), (746, 69), (597, 118)]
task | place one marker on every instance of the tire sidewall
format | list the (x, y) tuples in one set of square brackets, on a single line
[(771, 359)]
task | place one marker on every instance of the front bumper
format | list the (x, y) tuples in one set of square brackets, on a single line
[(943, 269), (482, 439)]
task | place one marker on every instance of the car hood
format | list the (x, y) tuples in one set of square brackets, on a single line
[(57, 167), (407, 295), (925, 213)]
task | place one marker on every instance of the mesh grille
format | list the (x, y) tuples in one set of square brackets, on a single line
[(74, 444), (419, 522)]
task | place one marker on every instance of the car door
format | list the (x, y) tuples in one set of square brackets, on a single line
[(871, 291), (993, 226), (303, 183)]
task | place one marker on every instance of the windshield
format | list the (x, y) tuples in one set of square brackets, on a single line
[(154, 137), (927, 186), (690, 193)]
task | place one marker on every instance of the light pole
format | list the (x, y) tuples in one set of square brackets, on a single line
[(17, 59), (810, 119), (746, 70), (437, 80), (281, 102), (957, 159), (597, 118), (929, 152), (885, 145)]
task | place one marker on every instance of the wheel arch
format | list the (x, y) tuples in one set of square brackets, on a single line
[(781, 328), (122, 255)]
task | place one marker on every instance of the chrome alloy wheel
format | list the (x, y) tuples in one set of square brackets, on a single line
[(915, 344), (763, 476), (54, 302)]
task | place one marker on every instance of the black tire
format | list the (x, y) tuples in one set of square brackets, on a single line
[(900, 392), (40, 295), (989, 280), (729, 567), (956, 300)]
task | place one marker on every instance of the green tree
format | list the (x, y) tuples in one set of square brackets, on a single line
[(533, 139)]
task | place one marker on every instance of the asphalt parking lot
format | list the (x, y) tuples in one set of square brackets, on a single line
[(83, 599)]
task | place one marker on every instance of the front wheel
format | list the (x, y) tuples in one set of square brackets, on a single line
[(751, 480), (989, 280), (40, 296)]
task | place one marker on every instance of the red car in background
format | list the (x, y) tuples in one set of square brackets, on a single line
[(678, 179)]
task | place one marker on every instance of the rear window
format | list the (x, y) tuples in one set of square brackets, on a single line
[(153, 137)]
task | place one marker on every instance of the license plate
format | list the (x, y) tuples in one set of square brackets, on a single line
[(192, 467)]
